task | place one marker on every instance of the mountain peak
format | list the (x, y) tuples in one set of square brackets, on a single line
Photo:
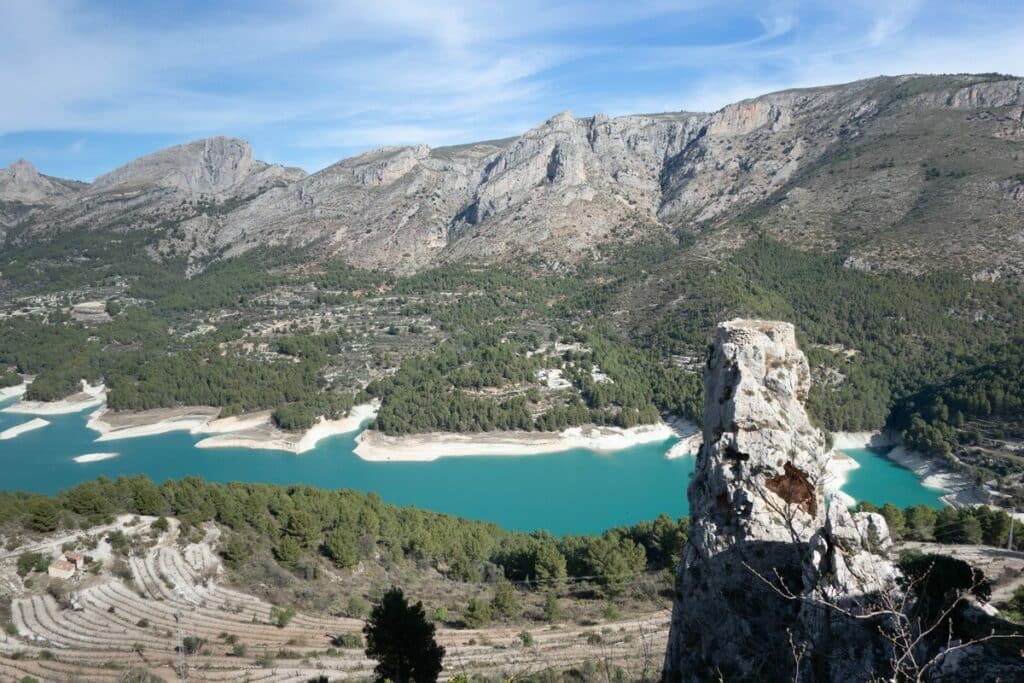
[(207, 166), (21, 182), (23, 168)]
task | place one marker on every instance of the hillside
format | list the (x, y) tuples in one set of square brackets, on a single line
[(564, 278), (893, 172)]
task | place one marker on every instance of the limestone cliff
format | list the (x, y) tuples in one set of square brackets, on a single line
[(906, 172), (760, 521)]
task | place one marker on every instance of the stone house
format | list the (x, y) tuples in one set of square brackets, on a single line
[(61, 569), (77, 559)]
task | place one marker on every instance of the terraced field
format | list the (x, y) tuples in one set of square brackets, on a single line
[(110, 624)]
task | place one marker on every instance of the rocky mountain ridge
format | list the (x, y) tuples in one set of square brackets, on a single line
[(895, 172)]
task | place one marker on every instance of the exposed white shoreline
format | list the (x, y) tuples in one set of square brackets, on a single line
[(932, 473), (844, 440), (17, 430), (150, 422), (253, 430), (95, 457), (960, 491), (377, 447), (11, 392), (263, 435), (89, 397), (690, 438)]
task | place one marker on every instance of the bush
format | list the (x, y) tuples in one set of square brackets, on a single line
[(347, 640), (281, 617), (193, 644), (357, 607), (505, 602), (477, 614), (31, 562)]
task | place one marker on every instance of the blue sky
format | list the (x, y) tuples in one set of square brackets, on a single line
[(90, 85)]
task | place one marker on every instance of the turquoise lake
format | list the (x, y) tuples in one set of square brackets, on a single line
[(577, 491)]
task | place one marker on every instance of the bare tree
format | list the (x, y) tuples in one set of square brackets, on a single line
[(906, 633)]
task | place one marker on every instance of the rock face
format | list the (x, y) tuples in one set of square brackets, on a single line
[(760, 521), (896, 172), (20, 182), (24, 191), (215, 167), (160, 192)]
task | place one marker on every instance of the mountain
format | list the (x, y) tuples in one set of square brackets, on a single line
[(893, 172), (159, 191), (23, 189)]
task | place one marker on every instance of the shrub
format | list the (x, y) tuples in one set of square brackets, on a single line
[(478, 613), (505, 602), (31, 562), (281, 617), (347, 640)]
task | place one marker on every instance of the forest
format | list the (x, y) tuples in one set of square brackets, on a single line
[(304, 526), (882, 346)]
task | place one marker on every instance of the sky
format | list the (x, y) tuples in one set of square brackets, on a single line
[(93, 84)]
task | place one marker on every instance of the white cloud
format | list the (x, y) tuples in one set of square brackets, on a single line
[(347, 75)]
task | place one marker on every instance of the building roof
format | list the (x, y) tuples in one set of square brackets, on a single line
[(62, 564)]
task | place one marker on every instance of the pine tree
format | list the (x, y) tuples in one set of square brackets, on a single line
[(401, 639)]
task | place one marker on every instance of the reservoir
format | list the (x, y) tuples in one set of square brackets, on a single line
[(577, 491)]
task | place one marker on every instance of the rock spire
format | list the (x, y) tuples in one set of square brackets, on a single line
[(766, 545)]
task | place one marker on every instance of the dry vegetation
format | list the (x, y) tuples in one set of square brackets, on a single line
[(118, 616)]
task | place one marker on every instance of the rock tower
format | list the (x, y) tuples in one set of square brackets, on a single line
[(767, 548)]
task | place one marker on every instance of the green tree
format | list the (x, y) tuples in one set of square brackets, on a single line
[(288, 551), (505, 601), (342, 548), (478, 613), (235, 550), (615, 563), (43, 515), (552, 610), (920, 522), (549, 566), (894, 520), (401, 639), (304, 528)]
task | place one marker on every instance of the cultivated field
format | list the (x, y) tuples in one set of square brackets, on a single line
[(121, 615)]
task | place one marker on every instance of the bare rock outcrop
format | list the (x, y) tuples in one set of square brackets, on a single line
[(21, 182), (767, 549), (895, 172)]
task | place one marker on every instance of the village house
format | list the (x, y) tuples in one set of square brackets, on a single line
[(61, 569), (77, 559)]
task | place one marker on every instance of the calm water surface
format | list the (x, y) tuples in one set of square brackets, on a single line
[(577, 491)]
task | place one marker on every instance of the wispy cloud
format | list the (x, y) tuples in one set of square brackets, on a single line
[(313, 80)]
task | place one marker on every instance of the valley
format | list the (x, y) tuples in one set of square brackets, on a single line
[(223, 380)]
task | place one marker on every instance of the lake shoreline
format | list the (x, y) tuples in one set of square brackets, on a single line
[(254, 431), (375, 446), (959, 490), (90, 397)]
